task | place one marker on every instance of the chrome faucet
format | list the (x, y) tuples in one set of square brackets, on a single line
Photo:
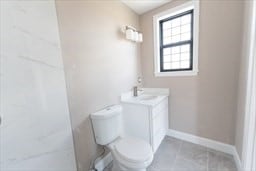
[(136, 90)]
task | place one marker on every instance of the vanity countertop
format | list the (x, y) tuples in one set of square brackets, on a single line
[(148, 96)]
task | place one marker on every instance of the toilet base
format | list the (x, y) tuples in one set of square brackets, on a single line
[(118, 164), (118, 167)]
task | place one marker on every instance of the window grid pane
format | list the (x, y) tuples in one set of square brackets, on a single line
[(176, 57), (177, 29)]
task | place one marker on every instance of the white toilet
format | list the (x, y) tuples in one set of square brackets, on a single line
[(129, 154)]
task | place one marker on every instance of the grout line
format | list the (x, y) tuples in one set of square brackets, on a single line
[(39, 62)]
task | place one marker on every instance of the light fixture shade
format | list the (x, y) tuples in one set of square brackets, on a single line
[(129, 34), (136, 36), (132, 34), (140, 37)]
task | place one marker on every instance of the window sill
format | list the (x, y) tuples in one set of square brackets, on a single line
[(176, 73)]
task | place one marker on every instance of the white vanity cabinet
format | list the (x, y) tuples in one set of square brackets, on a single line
[(149, 122)]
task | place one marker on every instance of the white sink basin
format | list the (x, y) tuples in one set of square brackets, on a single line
[(147, 97)]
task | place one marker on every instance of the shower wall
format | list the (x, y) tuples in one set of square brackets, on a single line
[(35, 132)]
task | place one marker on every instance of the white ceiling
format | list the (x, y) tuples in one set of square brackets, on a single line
[(142, 6)]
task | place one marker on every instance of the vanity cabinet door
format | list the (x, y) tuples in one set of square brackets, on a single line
[(149, 123), (136, 121), (159, 123)]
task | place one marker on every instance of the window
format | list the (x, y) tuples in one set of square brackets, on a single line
[(176, 41)]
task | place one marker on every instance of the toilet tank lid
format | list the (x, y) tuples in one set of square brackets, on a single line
[(107, 112)]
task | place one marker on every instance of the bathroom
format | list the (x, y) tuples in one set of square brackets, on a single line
[(62, 61)]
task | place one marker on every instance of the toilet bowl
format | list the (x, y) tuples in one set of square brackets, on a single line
[(129, 153)]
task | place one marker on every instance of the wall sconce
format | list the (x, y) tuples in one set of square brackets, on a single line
[(132, 34)]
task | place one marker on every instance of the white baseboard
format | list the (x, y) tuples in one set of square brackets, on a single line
[(219, 146), (226, 148), (103, 162)]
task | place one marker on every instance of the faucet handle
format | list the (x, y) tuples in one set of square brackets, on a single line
[(139, 80)]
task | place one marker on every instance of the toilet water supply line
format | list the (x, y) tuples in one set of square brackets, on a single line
[(92, 165)]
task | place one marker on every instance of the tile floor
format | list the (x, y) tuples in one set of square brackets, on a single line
[(178, 155)]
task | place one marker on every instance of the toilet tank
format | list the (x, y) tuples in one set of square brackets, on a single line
[(107, 124)]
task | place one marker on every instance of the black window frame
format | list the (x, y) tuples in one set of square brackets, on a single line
[(189, 42)]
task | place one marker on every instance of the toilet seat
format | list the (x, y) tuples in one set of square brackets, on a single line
[(133, 152)]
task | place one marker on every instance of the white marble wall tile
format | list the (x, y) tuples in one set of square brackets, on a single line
[(35, 133), (34, 104), (54, 162), (31, 31)]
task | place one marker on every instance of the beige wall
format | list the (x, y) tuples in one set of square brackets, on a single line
[(99, 63), (243, 77), (203, 105)]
